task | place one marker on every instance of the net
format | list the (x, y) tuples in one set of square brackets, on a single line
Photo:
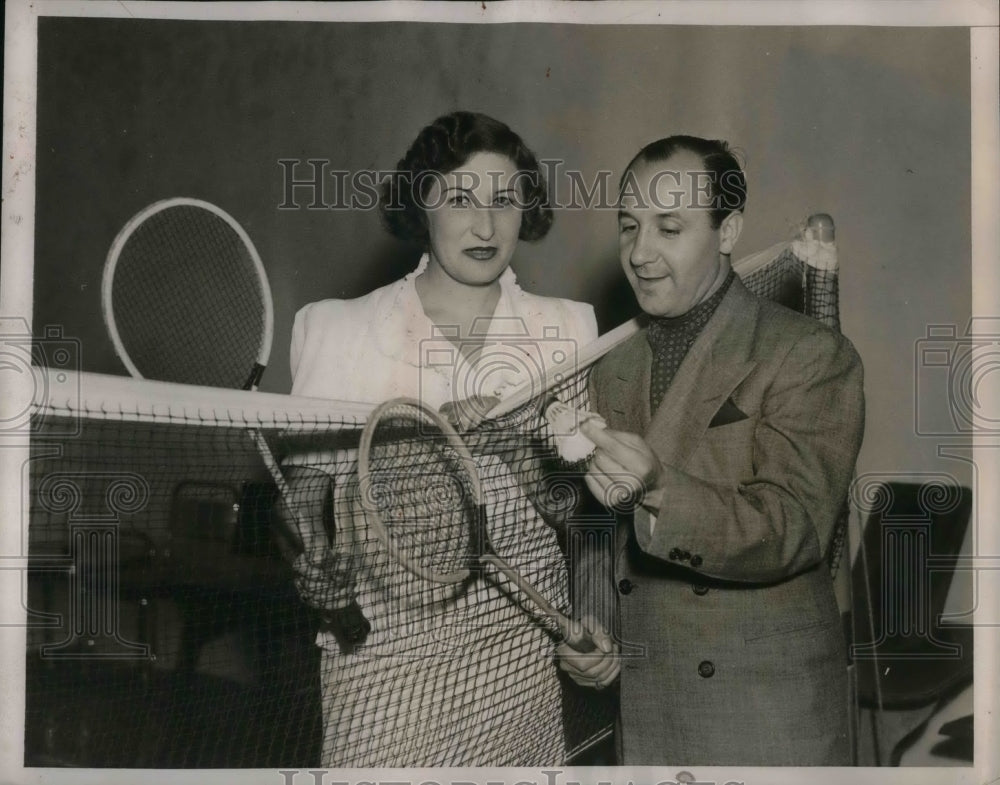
[(168, 627), (801, 274), (179, 639), (171, 625)]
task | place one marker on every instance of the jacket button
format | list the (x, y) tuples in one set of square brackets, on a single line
[(685, 555), (700, 589), (706, 669), (696, 560), (674, 554), (625, 586)]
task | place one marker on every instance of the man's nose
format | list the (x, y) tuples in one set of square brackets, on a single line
[(642, 251)]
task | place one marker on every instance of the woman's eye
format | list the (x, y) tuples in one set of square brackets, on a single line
[(626, 228), (459, 200), (503, 200)]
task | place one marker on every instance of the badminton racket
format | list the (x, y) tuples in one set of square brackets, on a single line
[(186, 299), (421, 489)]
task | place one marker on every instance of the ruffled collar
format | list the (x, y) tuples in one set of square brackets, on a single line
[(401, 324)]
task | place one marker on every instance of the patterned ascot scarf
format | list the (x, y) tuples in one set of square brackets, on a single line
[(670, 338)]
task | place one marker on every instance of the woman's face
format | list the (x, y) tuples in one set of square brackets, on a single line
[(473, 218)]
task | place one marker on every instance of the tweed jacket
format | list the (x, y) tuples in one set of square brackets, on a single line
[(732, 649)]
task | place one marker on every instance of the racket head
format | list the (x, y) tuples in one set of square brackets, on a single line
[(185, 297), (420, 487)]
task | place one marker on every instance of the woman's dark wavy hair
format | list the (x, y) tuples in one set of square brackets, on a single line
[(728, 193), (442, 147)]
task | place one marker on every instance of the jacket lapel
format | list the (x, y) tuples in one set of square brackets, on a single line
[(714, 366), (627, 386)]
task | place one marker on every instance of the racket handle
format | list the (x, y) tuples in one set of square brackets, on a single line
[(296, 535), (582, 641), (577, 361)]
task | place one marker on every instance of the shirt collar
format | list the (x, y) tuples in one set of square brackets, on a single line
[(690, 324)]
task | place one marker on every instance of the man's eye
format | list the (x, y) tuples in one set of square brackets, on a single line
[(503, 200), (459, 200), (625, 228), (670, 232)]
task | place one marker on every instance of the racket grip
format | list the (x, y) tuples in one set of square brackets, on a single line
[(582, 641), (577, 636), (296, 531)]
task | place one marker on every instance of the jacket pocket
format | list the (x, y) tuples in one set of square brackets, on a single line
[(725, 453)]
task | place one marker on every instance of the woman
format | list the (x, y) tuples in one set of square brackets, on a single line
[(456, 675)]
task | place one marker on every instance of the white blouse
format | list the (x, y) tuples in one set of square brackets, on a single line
[(382, 345)]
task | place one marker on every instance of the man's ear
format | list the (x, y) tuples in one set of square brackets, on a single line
[(729, 232)]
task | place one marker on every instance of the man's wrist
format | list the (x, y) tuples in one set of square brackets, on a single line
[(652, 501)]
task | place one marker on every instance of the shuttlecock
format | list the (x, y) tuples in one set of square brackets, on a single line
[(565, 421)]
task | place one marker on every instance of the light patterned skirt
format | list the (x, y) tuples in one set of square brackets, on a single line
[(450, 675)]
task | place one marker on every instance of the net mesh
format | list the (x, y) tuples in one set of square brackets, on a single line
[(185, 625), (791, 279), (184, 272), (171, 624)]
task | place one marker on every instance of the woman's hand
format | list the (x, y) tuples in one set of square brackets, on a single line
[(598, 668)]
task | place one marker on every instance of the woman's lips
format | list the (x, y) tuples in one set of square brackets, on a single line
[(482, 254)]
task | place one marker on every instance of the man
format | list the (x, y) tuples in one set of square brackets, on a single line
[(736, 424)]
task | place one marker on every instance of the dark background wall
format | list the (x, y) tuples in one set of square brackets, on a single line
[(868, 124)]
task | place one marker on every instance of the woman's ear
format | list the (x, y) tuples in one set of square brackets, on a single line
[(729, 232)]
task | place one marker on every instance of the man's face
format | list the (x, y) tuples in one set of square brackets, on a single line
[(671, 255)]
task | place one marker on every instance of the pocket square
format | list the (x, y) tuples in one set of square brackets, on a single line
[(728, 413)]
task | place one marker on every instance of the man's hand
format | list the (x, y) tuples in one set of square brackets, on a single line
[(598, 668), (624, 470)]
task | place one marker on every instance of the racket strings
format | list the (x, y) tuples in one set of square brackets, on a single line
[(422, 491), (185, 273)]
